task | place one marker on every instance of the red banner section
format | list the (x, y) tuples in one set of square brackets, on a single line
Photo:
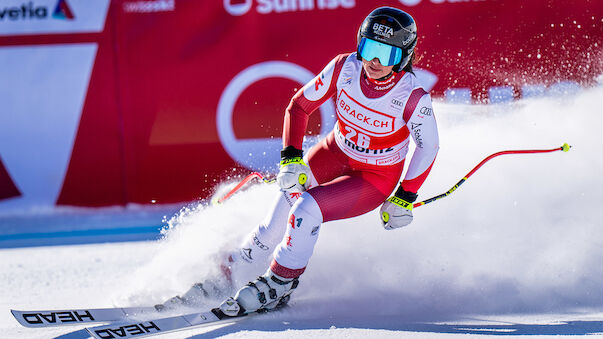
[(7, 186), (184, 93)]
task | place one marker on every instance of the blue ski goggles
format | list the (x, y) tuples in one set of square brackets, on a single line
[(387, 55)]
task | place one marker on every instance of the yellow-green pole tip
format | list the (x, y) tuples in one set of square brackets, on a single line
[(566, 147)]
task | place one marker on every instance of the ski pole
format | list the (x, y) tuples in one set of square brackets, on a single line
[(242, 183), (564, 148)]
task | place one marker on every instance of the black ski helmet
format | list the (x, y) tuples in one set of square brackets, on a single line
[(393, 27)]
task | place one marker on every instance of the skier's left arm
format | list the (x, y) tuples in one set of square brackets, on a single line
[(424, 131), (397, 211)]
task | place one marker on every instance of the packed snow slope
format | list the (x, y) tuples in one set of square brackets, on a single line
[(517, 249), (524, 234)]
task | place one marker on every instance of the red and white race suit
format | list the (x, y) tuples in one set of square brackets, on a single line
[(357, 166)]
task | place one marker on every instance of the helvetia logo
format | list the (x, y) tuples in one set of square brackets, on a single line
[(30, 11), (63, 11)]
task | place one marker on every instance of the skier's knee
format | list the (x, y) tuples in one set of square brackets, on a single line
[(307, 207)]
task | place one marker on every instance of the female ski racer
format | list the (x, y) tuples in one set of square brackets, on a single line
[(380, 106)]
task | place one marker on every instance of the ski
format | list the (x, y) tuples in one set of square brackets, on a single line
[(47, 318), (161, 325)]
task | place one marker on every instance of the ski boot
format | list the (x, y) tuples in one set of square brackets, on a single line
[(267, 293)]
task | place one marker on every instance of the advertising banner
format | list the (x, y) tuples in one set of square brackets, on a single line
[(140, 101)]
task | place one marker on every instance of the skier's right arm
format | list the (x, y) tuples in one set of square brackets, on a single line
[(293, 171), (307, 100)]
